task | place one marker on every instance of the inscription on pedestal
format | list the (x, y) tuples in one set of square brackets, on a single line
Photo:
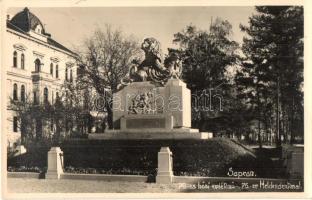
[(146, 123)]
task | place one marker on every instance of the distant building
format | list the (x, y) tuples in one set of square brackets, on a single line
[(36, 66)]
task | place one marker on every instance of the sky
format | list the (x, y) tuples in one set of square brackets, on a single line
[(70, 26)]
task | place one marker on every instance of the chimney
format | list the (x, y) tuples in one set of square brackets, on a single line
[(8, 17)]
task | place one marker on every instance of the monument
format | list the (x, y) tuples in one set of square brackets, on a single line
[(153, 102)]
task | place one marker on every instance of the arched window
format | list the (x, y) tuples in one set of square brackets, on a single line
[(46, 95), (15, 59), (35, 98), (23, 93), (57, 97), (71, 75), (66, 74), (15, 123), (15, 92), (37, 65), (22, 61), (51, 69), (56, 71), (52, 124)]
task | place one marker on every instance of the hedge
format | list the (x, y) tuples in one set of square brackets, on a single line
[(211, 157)]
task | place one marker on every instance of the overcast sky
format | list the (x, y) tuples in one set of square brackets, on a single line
[(70, 26)]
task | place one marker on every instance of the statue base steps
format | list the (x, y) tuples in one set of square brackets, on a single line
[(150, 134)]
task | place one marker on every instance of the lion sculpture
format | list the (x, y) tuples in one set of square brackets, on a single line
[(153, 68)]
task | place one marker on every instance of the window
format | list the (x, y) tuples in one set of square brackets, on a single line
[(22, 61), (66, 73), (85, 100), (51, 69), (52, 123), (78, 71), (46, 95), (15, 59), (52, 97), (35, 98), (56, 71), (57, 98), (71, 75), (15, 92), (37, 65), (23, 93), (38, 29), (15, 124)]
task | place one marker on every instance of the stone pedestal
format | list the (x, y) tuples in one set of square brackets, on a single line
[(296, 165), (178, 102), (55, 163), (157, 121), (165, 173), (294, 160), (150, 134), (142, 110), (174, 99), (122, 99)]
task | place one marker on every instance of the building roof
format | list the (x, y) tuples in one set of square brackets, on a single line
[(25, 21)]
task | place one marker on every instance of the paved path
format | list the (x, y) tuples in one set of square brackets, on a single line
[(31, 185)]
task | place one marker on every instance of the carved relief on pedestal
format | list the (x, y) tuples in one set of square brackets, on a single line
[(145, 103)]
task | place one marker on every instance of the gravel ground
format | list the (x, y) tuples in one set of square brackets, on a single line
[(30, 185)]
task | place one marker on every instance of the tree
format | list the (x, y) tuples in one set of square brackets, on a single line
[(47, 122), (31, 119), (206, 55), (272, 72), (105, 60), (72, 108)]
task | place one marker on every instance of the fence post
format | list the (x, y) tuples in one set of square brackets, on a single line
[(55, 163), (164, 173)]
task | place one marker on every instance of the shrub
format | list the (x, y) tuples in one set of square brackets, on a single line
[(24, 169), (211, 157)]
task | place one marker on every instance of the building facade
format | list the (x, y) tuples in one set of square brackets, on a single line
[(36, 66)]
